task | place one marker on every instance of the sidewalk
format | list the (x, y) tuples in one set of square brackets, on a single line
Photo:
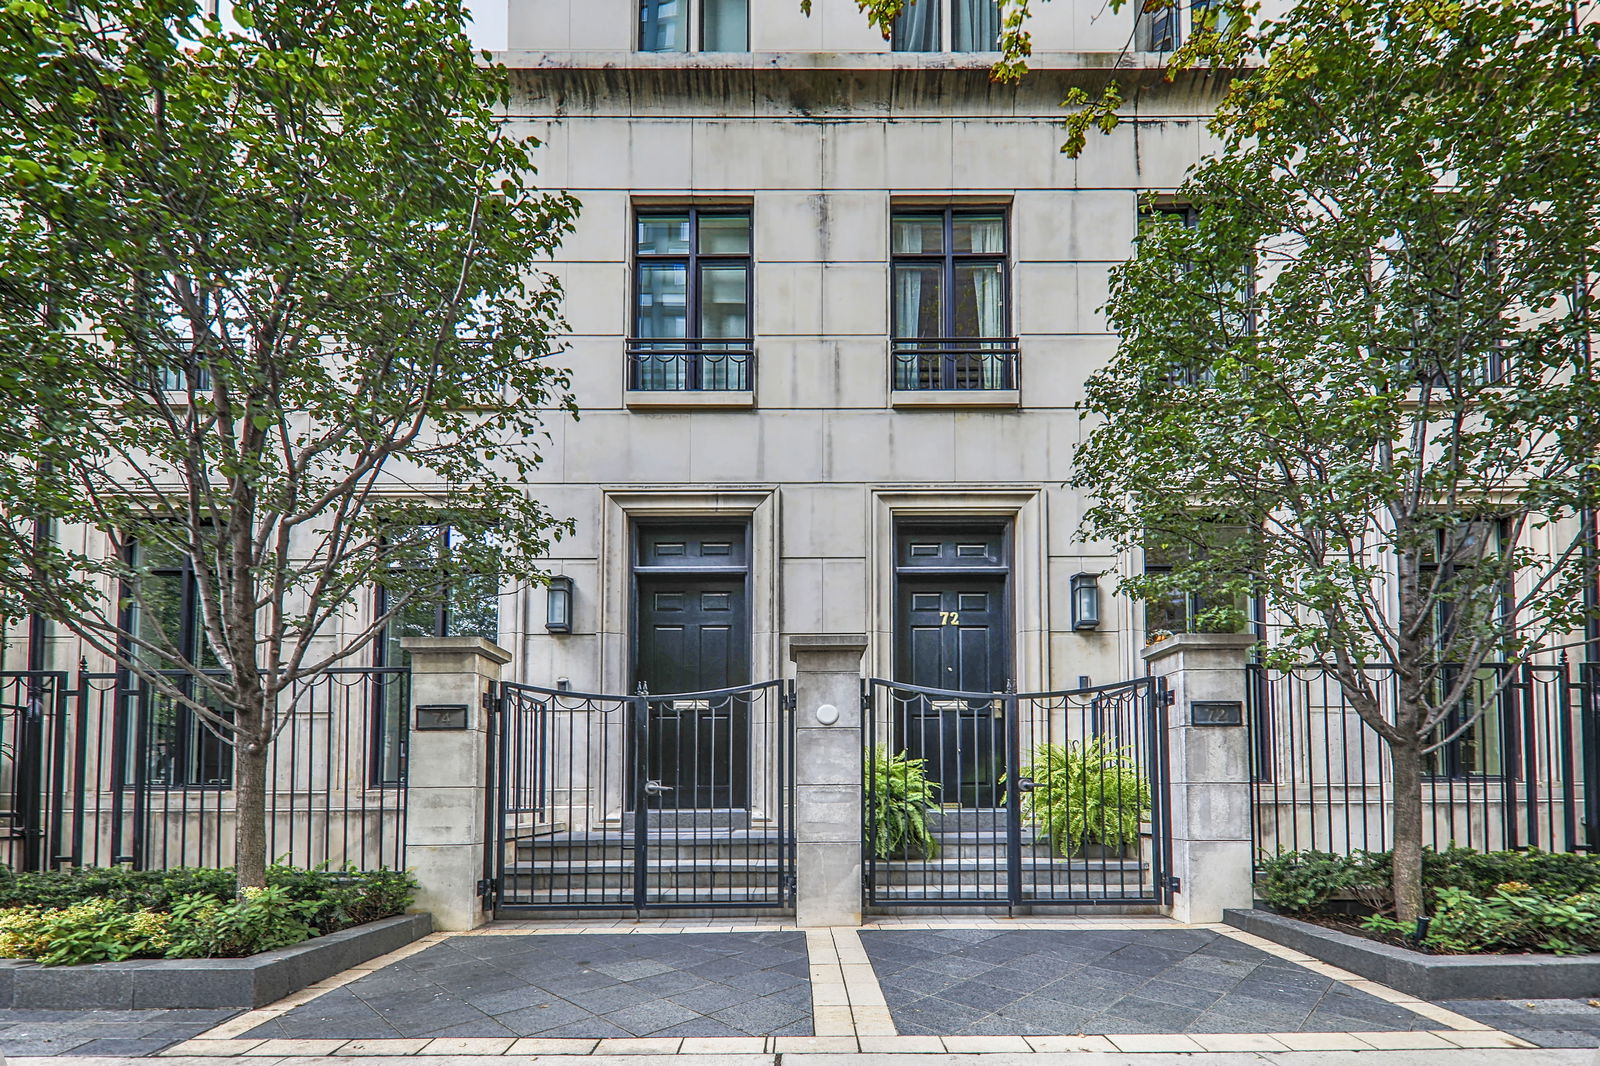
[(746, 994)]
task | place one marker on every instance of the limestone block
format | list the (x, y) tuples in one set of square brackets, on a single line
[(825, 755), (824, 520), (828, 813), (447, 879), (829, 885), (855, 155)]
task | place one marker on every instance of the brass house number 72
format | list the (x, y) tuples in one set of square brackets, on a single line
[(949, 618)]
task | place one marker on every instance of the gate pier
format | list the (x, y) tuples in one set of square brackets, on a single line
[(446, 811), (827, 751)]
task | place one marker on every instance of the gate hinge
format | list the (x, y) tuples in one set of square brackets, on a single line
[(1168, 697), (1171, 883), (491, 700), (486, 887)]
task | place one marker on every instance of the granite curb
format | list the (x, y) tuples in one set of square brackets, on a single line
[(1431, 977), (178, 983)]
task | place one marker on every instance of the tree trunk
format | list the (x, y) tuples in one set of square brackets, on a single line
[(1407, 760), (250, 802)]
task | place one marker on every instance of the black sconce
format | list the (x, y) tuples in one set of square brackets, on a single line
[(1085, 601), (558, 605)]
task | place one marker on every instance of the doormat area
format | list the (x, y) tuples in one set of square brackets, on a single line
[(587, 986), (1037, 982)]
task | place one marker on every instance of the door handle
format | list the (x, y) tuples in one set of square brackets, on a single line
[(1026, 784), (655, 788)]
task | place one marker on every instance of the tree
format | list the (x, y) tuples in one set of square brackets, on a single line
[(1370, 349), (290, 267)]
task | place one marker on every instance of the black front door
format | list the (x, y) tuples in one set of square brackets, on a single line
[(693, 635), (953, 632)]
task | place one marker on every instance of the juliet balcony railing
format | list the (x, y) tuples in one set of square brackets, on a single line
[(954, 363), (679, 365)]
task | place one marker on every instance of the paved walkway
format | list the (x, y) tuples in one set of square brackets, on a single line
[(745, 993)]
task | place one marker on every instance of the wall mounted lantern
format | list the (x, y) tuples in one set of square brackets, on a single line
[(1085, 601), (558, 605)]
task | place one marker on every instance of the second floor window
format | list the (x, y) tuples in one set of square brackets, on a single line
[(694, 25), (950, 313), (691, 322), (969, 26)]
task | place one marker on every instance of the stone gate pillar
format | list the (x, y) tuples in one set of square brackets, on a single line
[(447, 774), (827, 759), (1209, 758)]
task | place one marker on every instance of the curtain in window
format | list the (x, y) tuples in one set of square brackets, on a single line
[(727, 26), (987, 288), (916, 28), (974, 25)]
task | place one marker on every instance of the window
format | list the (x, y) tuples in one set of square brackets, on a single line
[(170, 339), (691, 318), (177, 749), (457, 605), (1159, 26), (1477, 751), (670, 25), (950, 300), (1192, 610), (1234, 296), (969, 26)]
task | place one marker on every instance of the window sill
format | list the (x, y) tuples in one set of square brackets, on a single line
[(678, 399), (914, 398)]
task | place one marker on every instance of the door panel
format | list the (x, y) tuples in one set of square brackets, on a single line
[(954, 634), (694, 635)]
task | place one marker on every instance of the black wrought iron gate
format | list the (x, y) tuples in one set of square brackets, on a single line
[(1039, 797), (642, 802)]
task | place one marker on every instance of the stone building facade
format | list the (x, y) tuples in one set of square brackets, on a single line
[(911, 273)]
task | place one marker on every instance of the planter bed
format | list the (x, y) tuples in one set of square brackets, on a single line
[(1432, 977), (242, 983)]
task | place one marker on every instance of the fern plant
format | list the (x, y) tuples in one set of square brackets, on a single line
[(899, 796), (1085, 792)]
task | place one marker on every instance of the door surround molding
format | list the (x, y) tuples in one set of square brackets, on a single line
[(622, 508), (1023, 507)]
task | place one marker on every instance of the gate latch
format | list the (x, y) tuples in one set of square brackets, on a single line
[(655, 788)]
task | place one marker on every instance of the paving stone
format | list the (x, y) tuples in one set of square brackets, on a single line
[(1107, 981), (647, 1019)]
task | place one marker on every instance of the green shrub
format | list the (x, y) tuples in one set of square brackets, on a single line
[(345, 897), (137, 889), (1514, 918), (1555, 874), (94, 930), (1299, 881), (96, 915), (1085, 793), (898, 800), (261, 920)]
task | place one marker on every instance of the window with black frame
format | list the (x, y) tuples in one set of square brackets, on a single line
[(969, 26), (694, 25), (442, 602), (950, 300), (169, 744), (1194, 610), (177, 363), (692, 294), (1484, 711)]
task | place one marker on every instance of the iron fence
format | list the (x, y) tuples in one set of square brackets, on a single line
[(643, 801), (1514, 777), (1045, 797), (98, 769)]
